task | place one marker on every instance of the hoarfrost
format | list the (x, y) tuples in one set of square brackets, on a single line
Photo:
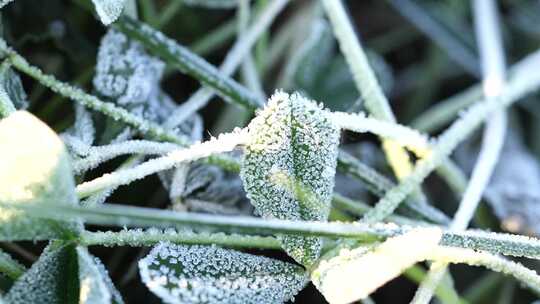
[(108, 10), (292, 137), (210, 274)]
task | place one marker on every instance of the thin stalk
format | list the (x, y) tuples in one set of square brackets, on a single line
[(150, 237), (447, 142), (139, 217), (232, 61), (366, 82), (224, 143), (493, 69)]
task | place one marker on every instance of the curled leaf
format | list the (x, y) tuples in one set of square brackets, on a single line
[(353, 274), (289, 166), (210, 274)]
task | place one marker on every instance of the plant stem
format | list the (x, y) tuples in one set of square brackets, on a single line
[(493, 69), (446, 143), (150, 237), (138, 217)]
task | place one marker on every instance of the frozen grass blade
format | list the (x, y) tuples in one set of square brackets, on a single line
[(493, 69)]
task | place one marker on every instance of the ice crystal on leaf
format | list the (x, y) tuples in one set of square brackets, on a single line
[(292, 139), (109, 10), (210, 274), (51, 279), (126, 74), (96, 286), (35, 170)]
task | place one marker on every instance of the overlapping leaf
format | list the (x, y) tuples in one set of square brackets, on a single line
[(210, 274), (289, 166)]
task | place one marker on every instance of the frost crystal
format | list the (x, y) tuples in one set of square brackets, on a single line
[(96, 285), (109, 10), (126, 74), (46, 281), (293, 141), (210, 274)]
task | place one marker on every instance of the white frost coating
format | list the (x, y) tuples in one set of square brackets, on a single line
[(354, 274), (126, 74), (410, 138), (224, 143), (98, 154), (108, 10), (2, 4), (210, 274), (96, 286), (42, 283), (294, 137)]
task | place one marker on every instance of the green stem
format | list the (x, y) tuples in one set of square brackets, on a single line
[(447, 142), (129, 216), (150, 237)]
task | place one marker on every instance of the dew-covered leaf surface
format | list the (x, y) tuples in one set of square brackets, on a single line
[(210, 274), (35, 170), (292, 138)]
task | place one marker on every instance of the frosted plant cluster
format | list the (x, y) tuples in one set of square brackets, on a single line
[(294, 137), (210, 274)]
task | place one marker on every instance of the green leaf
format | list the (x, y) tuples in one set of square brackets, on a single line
[(292, 139), (96, 286), (210, 274), (109, 10), (35, 170), (65, 274), (52, 279)]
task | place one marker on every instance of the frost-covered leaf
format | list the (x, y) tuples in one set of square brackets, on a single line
[(5, 2), (64, 274), (126, 74), (210, 274), (35, 170), (49, 280), (11, 83), (292, 137), (349, 275), (109, 10), (96, 286), (129, 77), (80, 137)]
